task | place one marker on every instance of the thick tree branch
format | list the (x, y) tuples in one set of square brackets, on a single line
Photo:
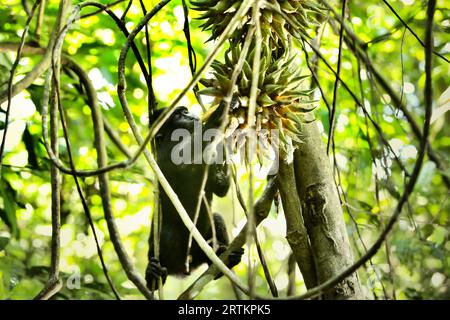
[(296, 233)]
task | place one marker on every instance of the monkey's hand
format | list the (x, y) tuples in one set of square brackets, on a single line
[(233, 259), (219, 179), (155, 272)]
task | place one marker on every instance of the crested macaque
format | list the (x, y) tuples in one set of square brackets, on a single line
[(186, 180)]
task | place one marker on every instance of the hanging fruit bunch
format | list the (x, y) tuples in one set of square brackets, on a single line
[(218, 14), (281, 99), (281, 96)]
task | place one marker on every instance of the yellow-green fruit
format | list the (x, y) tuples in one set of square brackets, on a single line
[(301, 16), (281, 97)]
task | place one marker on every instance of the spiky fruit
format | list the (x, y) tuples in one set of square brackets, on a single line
[(281, 96), (218, 14), (281, 99)]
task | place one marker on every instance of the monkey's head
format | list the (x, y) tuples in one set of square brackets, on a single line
[(179, 125), (181, 118)]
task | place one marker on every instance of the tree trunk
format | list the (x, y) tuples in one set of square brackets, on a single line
[(296, 233), (323, 215)]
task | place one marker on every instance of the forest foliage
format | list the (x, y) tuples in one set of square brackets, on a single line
[(370, 160)]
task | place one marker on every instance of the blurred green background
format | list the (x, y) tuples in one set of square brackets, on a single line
[(417, 263)]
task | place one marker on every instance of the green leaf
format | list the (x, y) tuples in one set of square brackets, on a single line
[(3, 242), (439, 235), (427, 230), (36, 93), (31, 146), (213, 92), (8, 212)]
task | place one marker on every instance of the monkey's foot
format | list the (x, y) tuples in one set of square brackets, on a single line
[(155, 272)]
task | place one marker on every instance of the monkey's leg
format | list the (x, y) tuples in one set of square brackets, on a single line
[(222, 238), (221, 232)]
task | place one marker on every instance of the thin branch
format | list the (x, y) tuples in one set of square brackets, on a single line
[(97, 120), (372, 152), (54, 283), (103, 8), (191, 52), (251, 123), (38, 69), (196, 216), (111, 132), (26, 7), (272, 286), (412, 31), (121, 24), (40, 20), (124, 14), (69, 63), (336, 82), (152, 104), (357, 46), (54, 73), (80, 191)]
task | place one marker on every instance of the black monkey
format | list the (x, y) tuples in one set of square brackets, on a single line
[(186, 180)]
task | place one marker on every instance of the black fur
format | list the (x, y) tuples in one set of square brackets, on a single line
[(186, 180)]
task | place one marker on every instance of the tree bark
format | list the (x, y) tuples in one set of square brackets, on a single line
[(323, 215), (296, 233)]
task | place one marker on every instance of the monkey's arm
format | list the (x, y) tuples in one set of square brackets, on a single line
[(219, 175)]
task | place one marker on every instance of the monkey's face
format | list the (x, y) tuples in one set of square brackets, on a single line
[(181, 118)]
